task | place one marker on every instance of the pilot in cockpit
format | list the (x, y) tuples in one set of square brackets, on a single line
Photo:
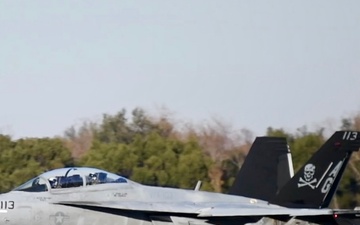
[(92, 178), (53, 182), (97, 178)]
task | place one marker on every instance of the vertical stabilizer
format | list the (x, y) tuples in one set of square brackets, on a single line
[(314, 185), (265, 169)]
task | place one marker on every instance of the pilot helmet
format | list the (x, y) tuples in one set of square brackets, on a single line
[(92, 176), (53, 182)]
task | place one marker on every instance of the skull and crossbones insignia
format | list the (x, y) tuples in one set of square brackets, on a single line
[(308, 180)]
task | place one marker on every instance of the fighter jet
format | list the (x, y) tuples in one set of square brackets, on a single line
[(82, 195)]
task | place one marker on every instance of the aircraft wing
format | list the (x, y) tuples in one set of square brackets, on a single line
[(200, 209), (188, 208)]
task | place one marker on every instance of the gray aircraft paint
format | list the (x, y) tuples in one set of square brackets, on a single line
[(42, 208)]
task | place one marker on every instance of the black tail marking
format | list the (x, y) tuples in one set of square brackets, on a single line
[(314, 185)]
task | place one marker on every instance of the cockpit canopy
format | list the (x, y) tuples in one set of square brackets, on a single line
[(68, 178)]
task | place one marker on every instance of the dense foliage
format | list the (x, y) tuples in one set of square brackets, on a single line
[(157, 151)]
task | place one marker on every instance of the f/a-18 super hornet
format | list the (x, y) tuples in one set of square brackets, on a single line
[(81, 195)]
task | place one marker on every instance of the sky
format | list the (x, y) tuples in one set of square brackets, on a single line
[(253, 63)]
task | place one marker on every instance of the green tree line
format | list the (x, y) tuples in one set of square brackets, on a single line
[(156, 150)]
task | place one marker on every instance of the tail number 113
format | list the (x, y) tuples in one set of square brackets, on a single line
[(351, 135)]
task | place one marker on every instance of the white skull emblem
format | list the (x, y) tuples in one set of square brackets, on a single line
[(309, 172)]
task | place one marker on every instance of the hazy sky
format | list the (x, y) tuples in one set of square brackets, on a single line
[(253, 63)]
